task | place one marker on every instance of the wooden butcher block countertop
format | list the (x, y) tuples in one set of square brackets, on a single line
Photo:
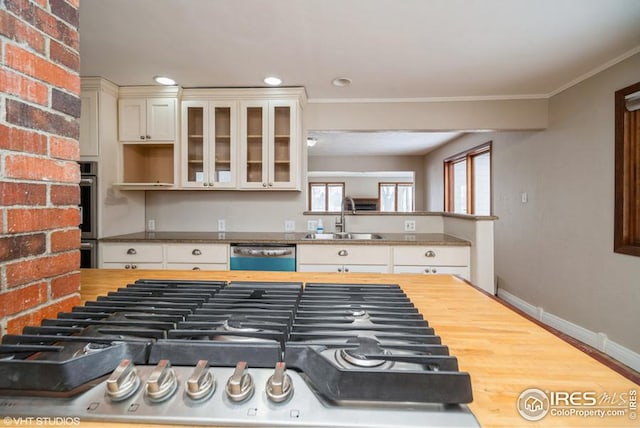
[(504, 352)]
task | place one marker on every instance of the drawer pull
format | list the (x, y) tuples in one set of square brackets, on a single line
[(430, 253), (196, 252), (196, 268), (132, 251), (343, 253)]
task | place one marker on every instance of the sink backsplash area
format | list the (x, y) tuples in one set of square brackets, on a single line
[(263, 212)]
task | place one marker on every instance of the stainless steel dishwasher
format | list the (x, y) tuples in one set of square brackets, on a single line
[(271, 257)]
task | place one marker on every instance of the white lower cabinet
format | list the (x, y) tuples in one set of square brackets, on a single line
[(131, 255), (443, 270), (344, 268), (136, 265), (136, 255), (431, 260), (344, 258), (197, 256), (197, 266)]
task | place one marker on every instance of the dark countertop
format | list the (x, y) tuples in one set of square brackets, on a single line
[(284, 238)]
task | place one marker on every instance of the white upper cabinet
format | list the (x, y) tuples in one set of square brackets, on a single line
[(242, 139), (269, 141), (147, 122), (209, 144), (89, 123), (147, 119)]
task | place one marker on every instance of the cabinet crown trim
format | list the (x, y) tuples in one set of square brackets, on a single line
[(235, 94), (150, 91), (98, 84)]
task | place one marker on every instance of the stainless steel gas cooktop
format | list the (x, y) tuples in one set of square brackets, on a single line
[(239, 353)]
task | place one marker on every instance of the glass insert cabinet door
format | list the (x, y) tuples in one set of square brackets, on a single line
[(196, 129), (269, 153), (209, 136), (223, 150), (255, 135)]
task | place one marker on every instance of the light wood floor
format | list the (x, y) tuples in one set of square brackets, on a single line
[(504, 352)]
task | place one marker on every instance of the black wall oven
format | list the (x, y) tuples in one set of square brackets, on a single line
[(89, 214)]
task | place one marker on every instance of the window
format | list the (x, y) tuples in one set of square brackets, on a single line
[(395, 197), (326, 196), (626, 238), (467, 181)]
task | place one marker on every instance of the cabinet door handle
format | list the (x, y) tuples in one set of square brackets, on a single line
[(427, 270), (132, 251), (127, 266), (211, 184), (270, 184), (196, 268), (134, 266), (142, 137), (346, 269), (434, 270), (264, 184), (205, 184), (430, 253), (148, 137), (196, 252), (343, 253), (339, 269)]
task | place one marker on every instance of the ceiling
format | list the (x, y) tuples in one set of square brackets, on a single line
[(331, 143), (391, 49)]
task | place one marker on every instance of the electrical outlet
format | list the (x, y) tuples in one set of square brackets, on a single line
[(409, 225), (151, 225), (312, 225), (289, 225), (221, 225)]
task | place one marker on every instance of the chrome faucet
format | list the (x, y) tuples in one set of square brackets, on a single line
[(341, 226)]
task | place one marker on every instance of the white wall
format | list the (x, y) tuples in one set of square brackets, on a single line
[(260, 211), (430, 115), (556, 251)]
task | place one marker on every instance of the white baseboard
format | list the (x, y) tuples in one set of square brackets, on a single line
[(599, 341)]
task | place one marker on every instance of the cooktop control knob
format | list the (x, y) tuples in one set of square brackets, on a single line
[(162, 383), (279, 386), (123, 382), (240, 384), (201, 383)]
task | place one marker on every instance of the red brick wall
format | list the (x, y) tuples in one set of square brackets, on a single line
[(39, 175)]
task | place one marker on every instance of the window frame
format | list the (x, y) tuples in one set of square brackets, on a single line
[(468, 156), (626, 238), (326, 193), (395, 199)]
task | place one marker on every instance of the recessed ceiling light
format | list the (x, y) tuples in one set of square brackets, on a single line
[(341, 81), (163, 80), (273, 81), (311, 141)]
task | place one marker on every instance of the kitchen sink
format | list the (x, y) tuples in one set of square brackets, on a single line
[(343, 236)]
